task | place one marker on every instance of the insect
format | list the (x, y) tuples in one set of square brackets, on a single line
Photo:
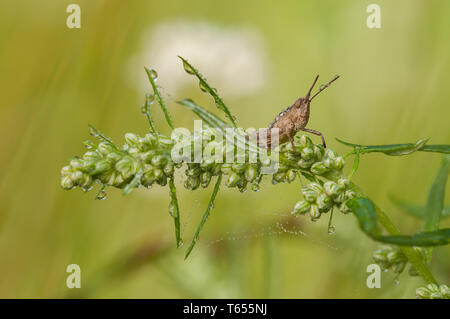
[(294, 118)]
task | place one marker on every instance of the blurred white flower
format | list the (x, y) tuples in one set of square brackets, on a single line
[(232, 59)]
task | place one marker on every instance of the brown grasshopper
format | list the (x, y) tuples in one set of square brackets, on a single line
[(295, 117)]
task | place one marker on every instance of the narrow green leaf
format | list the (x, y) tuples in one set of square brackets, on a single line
[(205, 87), (435, 202), (205, 216), (175, 211), (148, 114), (364, 211), (399, 149), (414, 209), (98, 134), (159, 98), (214, 121)]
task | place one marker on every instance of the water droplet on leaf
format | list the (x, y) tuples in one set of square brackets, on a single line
[(331, 230), (187, 68)]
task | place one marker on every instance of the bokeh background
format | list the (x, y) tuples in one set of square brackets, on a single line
[(261, 56)]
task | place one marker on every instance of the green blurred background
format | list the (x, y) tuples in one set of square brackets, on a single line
[(55, 80)]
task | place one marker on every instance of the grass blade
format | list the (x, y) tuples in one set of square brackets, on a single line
[(175, 211), (147, 113), (205, 87), (205, 216), (435, 201), (399, 149), (159, 98)]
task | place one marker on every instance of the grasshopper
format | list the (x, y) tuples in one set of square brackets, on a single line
[(295, 117)]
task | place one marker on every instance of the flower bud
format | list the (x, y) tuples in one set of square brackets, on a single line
[(338, 163), (305, 164), (319, 151), (192, 182), (324, 202), (105, 148), (250, 173), (66, 170), (239, 167), (330, 154), (279, 177), (205, 178), (169, 169), (159, 161), (66, 182), (314, 212), (76, 176), (233, 179), (318, 168), (291, 174), (226, 168), (132, 139), (310, 196), (302, 207), (307, 153), (76, 163), (148, 179), (305, 141)]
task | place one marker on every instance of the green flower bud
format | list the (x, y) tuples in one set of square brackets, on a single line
[(338, 163), (87, 182), (291, 174), (319, 151), (239, 167), (279, 177), (76, 163), (159, 161), (307, 153), (192, 182), (217, 169), (324, 202), (146, 157), (314, 187), (302, 207), (126, 167), (195, 171), (66, 170), (423, 293), (169, 169), (330, 154), (332, 189), (205, 178), (66, 182), (226, 168), (250, 173), (77, 176), (344, 208), (327, 162), (314, 212), (318, 168), (158, 173), (305, 141), (105, 148), (91, 156), (148, 179), (305, 164), (102, 166), (233, 179), (132, 139), (310, 196)]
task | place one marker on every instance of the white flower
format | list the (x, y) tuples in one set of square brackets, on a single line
[(232, 59)]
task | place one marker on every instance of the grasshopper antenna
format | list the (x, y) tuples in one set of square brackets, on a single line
[(323, 87), (312, 86)]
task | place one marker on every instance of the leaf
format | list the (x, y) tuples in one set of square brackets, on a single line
[(214, 121), (159, 98), (435, 202), (414, 209), (176, 211), (399, 149), (364, 211), (205, 87), (98, 134), (205, 216)]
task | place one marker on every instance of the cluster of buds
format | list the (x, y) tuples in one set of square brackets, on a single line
[(433, 291), (319, 199), (391, 257), (147, 158), (313, 157)]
